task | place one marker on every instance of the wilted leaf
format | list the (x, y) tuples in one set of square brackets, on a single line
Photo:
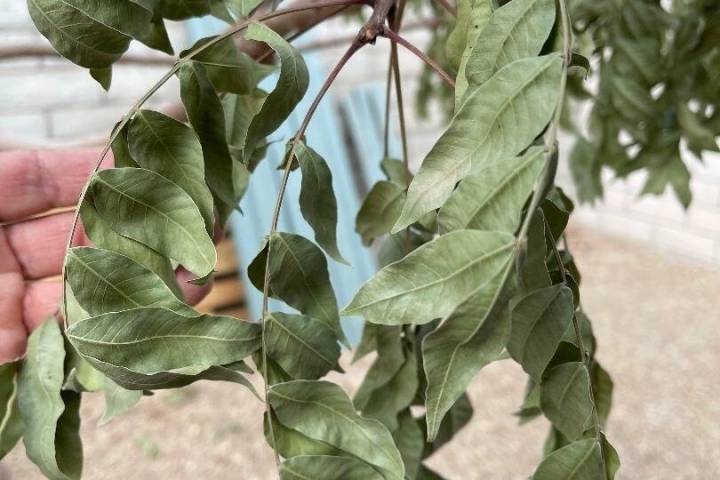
[(299, 277), (205, 112), (317, 199), (581, 460), (565, 398), (390, 359), (325, 467), (322, 411), (539, 320), (432, 280), (410, 441), (380, 210), (602, 386), (117, 400), (48, 415), (289, 90), (154, 340), (472, 336), (239, 111), (516, 30), (152, 210), (497, 120), (493, 197), (303, 346), (164, 145)]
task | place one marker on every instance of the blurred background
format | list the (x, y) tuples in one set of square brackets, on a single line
[(651, 280)]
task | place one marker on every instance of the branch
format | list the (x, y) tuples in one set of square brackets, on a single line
[(394, 37)]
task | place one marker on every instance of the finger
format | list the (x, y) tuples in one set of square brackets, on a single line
[(13, 334), (8, 262), (192, 293), (39, 244), (41, 300), (36, 181)]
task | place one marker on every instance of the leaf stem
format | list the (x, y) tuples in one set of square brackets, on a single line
[(354, 47), (396, 38), (134, 109)]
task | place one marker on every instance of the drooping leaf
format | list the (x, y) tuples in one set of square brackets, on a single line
[(533, 273), (673, 173), (493, 197), (121, 149), (520, 98), (610, 457), (228, 69), (102, 236), (580, 460), (239, 111), (103, 76), (290, 443), (380, 210), (11, 424), (456, 419), (299, 277), (530, 407), (325, 467), (182, 9), (290, 88), (47, 437), (480, 14), (109, 282), (322, 411), (386, 402), (602, 385), (164, 145), (472, 336), (317, 199), (153, 340), (152, 210), (516, 30), (539, 320), (410, 441), (303, 346), (565, 398), (396, 171), (390, 359), (118, 400), (207, 118), (433, 280)]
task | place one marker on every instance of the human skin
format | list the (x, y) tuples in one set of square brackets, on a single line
[(33, 238)]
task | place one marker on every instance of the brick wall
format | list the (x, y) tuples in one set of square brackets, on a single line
[(51, 102)]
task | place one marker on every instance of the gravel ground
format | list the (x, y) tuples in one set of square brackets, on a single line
[(656, 318)]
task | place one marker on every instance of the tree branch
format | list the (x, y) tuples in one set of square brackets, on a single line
[(394, 37)]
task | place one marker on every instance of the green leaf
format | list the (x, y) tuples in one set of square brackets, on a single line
[(153, 340), (290, 443), (303, 346), (671, 172), (228, 69), (101, 235), (47, 414), (479, 17), (396, 171), (530, 407), (317, 199), (539, 320), (585, 170), (121, 149), (289, 90), (565, 398), (87, 33), (182, 9), (493, 197), (456, 419), (103, 76), (239, 111), (602, 386), (515, 31), (581, 460), (380, 210), (118, 400), (432, 280), (387, 400), (207, 118), (11, 424), (472, 336), (325, 467), (533, 272), (164, 145), (299, 277), (497, 120), (154, 211), (390, 359), (410, 440), (322, 411), (610, 457)]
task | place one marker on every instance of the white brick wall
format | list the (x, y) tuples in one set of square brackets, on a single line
[(46, 101)]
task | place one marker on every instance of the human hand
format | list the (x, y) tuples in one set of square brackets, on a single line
[(33, 238)]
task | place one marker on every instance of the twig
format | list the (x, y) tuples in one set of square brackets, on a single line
[(354, 47), (394, 37)]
